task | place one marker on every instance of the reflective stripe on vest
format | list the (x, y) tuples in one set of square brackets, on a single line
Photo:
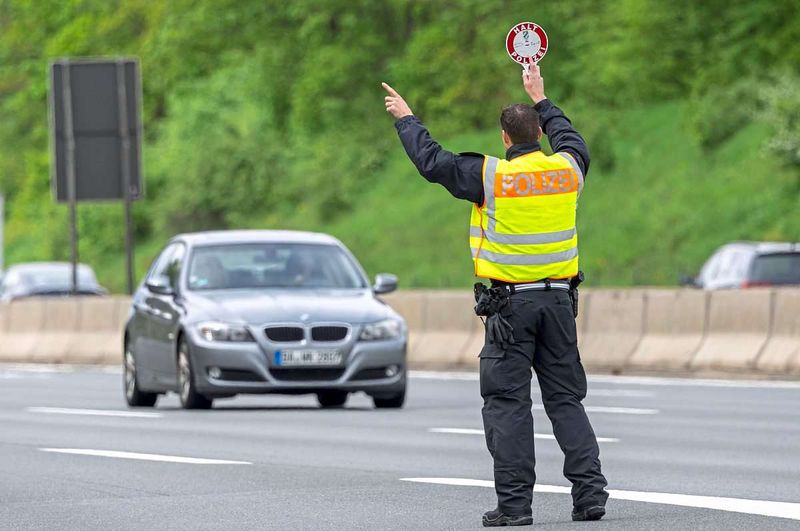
[(525, 230)]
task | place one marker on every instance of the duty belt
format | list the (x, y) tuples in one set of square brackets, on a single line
[(544, 285)]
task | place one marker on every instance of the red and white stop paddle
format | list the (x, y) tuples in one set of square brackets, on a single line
[(526, 44)]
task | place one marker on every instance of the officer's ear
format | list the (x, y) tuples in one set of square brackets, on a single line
[(506, 139), (539, 134)]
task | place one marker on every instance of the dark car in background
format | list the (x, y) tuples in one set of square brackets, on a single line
[(750, 264), (47, 279), (229, 312)]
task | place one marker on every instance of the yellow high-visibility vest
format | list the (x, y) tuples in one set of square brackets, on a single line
[(525, 230)]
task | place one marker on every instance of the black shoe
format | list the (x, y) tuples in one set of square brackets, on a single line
[(594, 512), (497, 519)]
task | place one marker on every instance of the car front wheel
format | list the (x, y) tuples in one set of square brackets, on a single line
[(134, 396), (330, 399), (190, 398), (390, 402)]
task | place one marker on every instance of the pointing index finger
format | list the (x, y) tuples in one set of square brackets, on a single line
[(389, 89)]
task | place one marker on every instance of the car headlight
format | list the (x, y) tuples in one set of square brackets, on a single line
[(218, 331), (388, 329)]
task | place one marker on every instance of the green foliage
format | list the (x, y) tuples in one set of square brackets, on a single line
[(781, 101), (266, 114)]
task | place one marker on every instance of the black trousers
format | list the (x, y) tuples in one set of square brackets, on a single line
[(546, 340)]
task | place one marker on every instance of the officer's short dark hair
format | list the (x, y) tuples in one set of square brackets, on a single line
[(521, 122)]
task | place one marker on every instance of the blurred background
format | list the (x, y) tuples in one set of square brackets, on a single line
[(270, 115)]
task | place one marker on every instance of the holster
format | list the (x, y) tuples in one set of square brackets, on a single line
[(495, 305), (574, 282)]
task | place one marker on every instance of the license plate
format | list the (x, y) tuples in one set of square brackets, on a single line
[(286, 358)]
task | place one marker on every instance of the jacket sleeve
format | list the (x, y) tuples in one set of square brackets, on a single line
[(460, 174), (562, 136)]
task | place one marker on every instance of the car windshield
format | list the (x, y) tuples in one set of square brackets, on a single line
[(272, 265), (781, 268), (55, 276)]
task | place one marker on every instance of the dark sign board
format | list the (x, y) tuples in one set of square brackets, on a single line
[(86, 97)]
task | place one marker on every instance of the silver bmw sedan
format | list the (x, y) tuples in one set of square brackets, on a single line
[(229, 312)]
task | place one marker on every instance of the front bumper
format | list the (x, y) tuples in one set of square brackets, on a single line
[(250, 368)]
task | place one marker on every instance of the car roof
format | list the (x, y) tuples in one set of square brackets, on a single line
[(253, 236), (44, 265), (764, 247)]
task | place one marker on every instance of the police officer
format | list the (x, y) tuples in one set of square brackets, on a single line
[(523, 238)]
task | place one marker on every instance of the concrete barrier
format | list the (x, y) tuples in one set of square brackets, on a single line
[(98, 338), (450, 325), (752, 332), (738, 328), (781, 354), (411, 305), (584, 301), (61, 317), (24, 327), (674, 327), (613, 328)]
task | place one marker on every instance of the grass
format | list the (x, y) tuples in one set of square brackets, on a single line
[(659, 213)]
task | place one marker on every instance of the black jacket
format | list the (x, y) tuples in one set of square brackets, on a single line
[(461, 173)]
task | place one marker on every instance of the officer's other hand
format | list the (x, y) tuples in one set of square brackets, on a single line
[(534, 83), (395, 104)]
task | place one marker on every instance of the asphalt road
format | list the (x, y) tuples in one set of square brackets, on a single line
[(291, 465)]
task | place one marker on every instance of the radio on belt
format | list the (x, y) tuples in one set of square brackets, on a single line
[(526, 43)]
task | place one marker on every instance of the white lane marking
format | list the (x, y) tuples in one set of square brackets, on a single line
[(634, 393), (628, 380), (444, 375), (473, 431), (736, 505), (607, 409), (620, 392), (144, 457), (94, 412), (53, 368), (463, 376), (693, 382)]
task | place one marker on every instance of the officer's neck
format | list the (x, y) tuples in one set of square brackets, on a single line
[(517, 150)]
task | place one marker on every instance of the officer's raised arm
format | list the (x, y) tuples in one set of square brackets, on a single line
[(460, 174), (562, 136)]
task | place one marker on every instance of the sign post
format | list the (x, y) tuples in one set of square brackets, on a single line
[(69, 138), (125, 169), (96, 131), (526, 44)]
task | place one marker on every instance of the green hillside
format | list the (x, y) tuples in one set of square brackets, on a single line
[(271, 116), (660, 211)]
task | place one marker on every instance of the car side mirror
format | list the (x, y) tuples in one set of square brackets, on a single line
[(159, 285), (384, 283)]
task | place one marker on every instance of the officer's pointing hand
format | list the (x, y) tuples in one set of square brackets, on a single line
[(395, 104)]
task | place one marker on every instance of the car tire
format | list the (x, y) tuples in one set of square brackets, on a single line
[(332, 399), (390, 402), (134, 396), (187, 390)]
